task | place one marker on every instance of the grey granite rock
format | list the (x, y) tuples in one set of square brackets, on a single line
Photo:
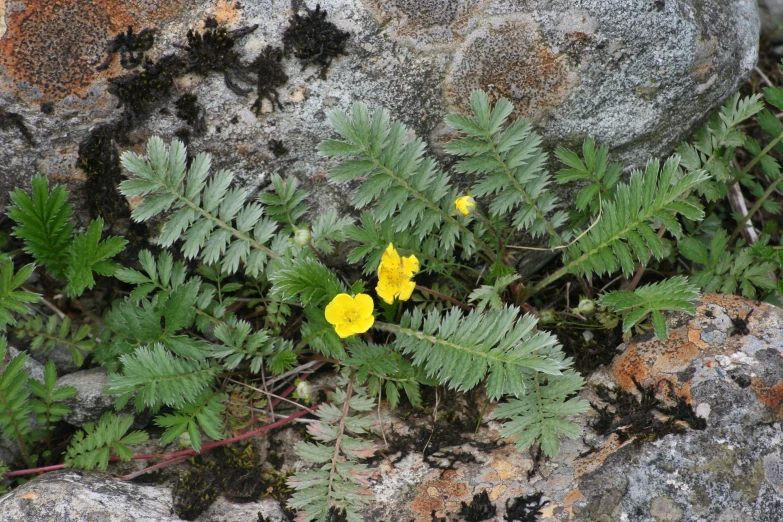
[(639, 75), (90, 402), (72, 496)]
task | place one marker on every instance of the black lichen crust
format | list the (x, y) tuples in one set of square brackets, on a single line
[(278, 148), (270, 73), (235, 475), (213, 51), (314, 40), (480, 508), (192, 112), (141, 89), (11, 119), (131, 48), (336, 514), (639, 417), (525, 509)]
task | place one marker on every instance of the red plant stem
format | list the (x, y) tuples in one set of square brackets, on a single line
[(159, 465), (173, 458)]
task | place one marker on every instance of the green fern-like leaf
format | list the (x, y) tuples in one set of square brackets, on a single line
[(13, 300), (306, 280), (328, 229), (159, 320), (511, 162), (625, 235), (216, 222), (15, 405), (404, 186), (93, 447), (338, 482), (543, 414), (57, 332), (382, 369), (725, 271), (160, 378), (712, 147), (47, 407), (203, 413), (285, 205), (489, 296), (600, 176), (675, 294), (461, 350), (240, 345), (43, 222), (89, 254)]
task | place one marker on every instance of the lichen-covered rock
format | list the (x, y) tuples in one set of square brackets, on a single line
[(73, 496), (726, 361), (639, 75)]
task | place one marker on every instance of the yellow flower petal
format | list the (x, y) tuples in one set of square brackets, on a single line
[(364, 305), (362, 325), (344, 330), (465, 204), (386, 291), (335, 310), (410, 266), (407, 290)]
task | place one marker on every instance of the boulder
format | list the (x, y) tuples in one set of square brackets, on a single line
[(73, 496), (638, 75), (90, 402)]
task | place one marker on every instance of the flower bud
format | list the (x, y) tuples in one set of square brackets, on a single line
[(546, 316), (586, 306), (304, 391), (302, 237)]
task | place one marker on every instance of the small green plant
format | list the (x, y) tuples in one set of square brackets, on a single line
[(248, 291)]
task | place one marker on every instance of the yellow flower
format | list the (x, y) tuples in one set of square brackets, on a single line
[(350, 315), (465, 204), (394, 275)]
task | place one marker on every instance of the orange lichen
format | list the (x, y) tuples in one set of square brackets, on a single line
[(514, 61), (51, 47), (772, 396)]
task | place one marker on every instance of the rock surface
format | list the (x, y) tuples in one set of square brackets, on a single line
[(727, 361), (638, 75), (90, 402), (72, 496)]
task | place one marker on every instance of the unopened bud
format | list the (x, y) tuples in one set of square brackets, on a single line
[(302, 237), (586, 306), (546, 316), (304, 391)]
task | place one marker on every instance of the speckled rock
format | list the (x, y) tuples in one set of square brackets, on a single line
[(90, 402), (727, 361), (639, 75), (71, 496)]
